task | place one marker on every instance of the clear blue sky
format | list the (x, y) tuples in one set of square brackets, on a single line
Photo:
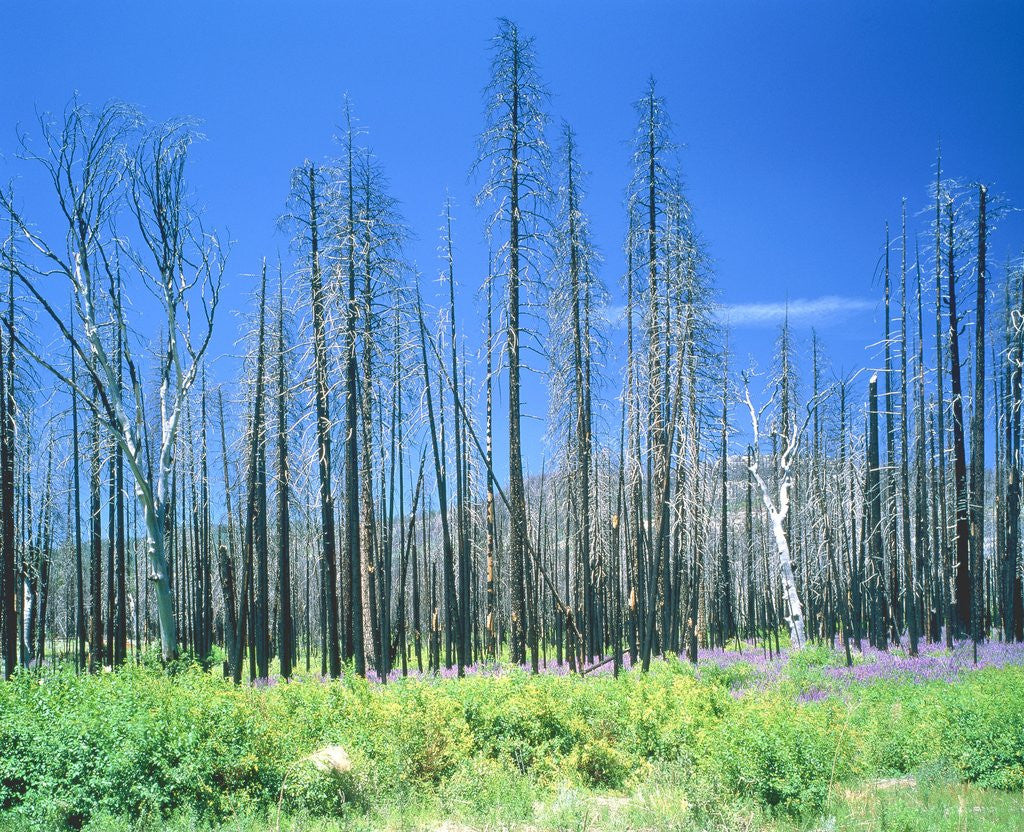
[(802, 124)]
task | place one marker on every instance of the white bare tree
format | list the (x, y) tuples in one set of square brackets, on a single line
[(777, 504), (105, 167)]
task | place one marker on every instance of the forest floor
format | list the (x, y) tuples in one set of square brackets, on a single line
[(743, 742)]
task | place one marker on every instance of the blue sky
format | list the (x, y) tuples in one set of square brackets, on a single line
[(802, 125)]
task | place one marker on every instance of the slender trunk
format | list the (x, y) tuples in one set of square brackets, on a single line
[(355, 574), (927, 586), (117, 531), (888, 478), (943, 552), (873, 496), (80, 622), (1015, 613), (725, 576), (977, 487), (462, 632), (908, 570), (323, 436), (44, 557), (284, 575), (8, 610), (369, 543), (492, 609), (962, 593), (256, 502), (517, 547), (96, 550)]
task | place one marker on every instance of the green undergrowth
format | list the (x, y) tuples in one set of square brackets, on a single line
[(141, 749)]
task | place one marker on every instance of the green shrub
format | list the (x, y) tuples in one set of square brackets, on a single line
[(523, 720), (899, 726), (142, 745), (429, 731), (325, 785), (600, 765), (783, 756), (732, 677), (134, 744), (983, 729)]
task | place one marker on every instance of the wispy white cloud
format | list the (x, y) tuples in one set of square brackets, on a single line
[(826, 309), (613, 314)]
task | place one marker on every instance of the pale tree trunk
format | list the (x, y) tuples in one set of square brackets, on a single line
[(154, 517), (777, 514), (795, 619)]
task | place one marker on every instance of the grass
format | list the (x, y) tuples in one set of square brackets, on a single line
[(656, 805), (949, 807)]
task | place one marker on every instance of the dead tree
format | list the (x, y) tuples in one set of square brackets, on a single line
[(175, 259), (307, 216), (962, 580), (909, 585), (778, 505), (8, 554), (515, 156), (285, 636), (977, 485), (255, 545)]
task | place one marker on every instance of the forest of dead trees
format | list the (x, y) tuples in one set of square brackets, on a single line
[(357, 498)]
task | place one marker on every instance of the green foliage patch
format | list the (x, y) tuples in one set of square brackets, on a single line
[(142, 745)]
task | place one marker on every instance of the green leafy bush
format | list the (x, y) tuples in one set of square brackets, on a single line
[(522, 720), (782, 755), (142, 745), (983, 728), (327, 783), (601, 764), (898, 726)]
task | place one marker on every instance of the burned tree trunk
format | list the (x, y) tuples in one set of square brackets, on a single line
[(977, 487), (962, 585)]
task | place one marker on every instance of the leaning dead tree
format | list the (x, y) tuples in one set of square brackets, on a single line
[(110, 174), (777, 502)]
